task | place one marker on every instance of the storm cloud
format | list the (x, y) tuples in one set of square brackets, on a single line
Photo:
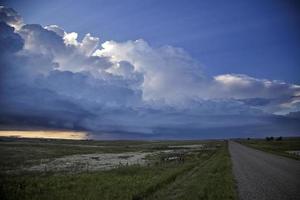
[(130, 89)]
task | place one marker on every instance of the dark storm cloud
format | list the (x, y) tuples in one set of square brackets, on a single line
[(129, 90), (10, 16), (9, 41), (256, 101)]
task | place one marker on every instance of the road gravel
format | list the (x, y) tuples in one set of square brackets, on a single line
[(264, 176)]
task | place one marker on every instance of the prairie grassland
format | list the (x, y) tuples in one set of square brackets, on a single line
[(202, 172), (279, 147)]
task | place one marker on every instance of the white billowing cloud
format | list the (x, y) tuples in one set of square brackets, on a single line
[(291, 105), (283, 97), (170, 74), (122, 68), (59, 31), (243, 86), (66, 51), (89, 44), (229, 80), (71, 38), (41, 41)]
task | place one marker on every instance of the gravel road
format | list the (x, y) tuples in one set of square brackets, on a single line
[(261, 175)]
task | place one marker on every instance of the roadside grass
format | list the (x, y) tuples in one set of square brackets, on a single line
[(211, 179), (116, 184), (276, 147)]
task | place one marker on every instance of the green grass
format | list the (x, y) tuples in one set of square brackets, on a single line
[(205, 174), (276, 147), (211, 179), (115, 184)]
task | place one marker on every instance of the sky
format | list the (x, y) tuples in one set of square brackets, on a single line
[(151, 69)]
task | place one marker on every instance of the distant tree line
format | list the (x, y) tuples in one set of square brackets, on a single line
[(272, 138)]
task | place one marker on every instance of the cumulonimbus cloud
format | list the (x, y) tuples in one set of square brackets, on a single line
[(50, 78)]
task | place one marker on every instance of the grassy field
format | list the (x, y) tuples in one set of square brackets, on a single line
[(211, 179), (201, 173), (279, 147)]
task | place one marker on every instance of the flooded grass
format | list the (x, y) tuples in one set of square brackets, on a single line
[(90, 162)]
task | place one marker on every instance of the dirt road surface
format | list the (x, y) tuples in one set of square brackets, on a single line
[(264, 176)]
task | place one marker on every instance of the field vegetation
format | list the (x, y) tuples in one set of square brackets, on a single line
[(283, 146), (172, 170)]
